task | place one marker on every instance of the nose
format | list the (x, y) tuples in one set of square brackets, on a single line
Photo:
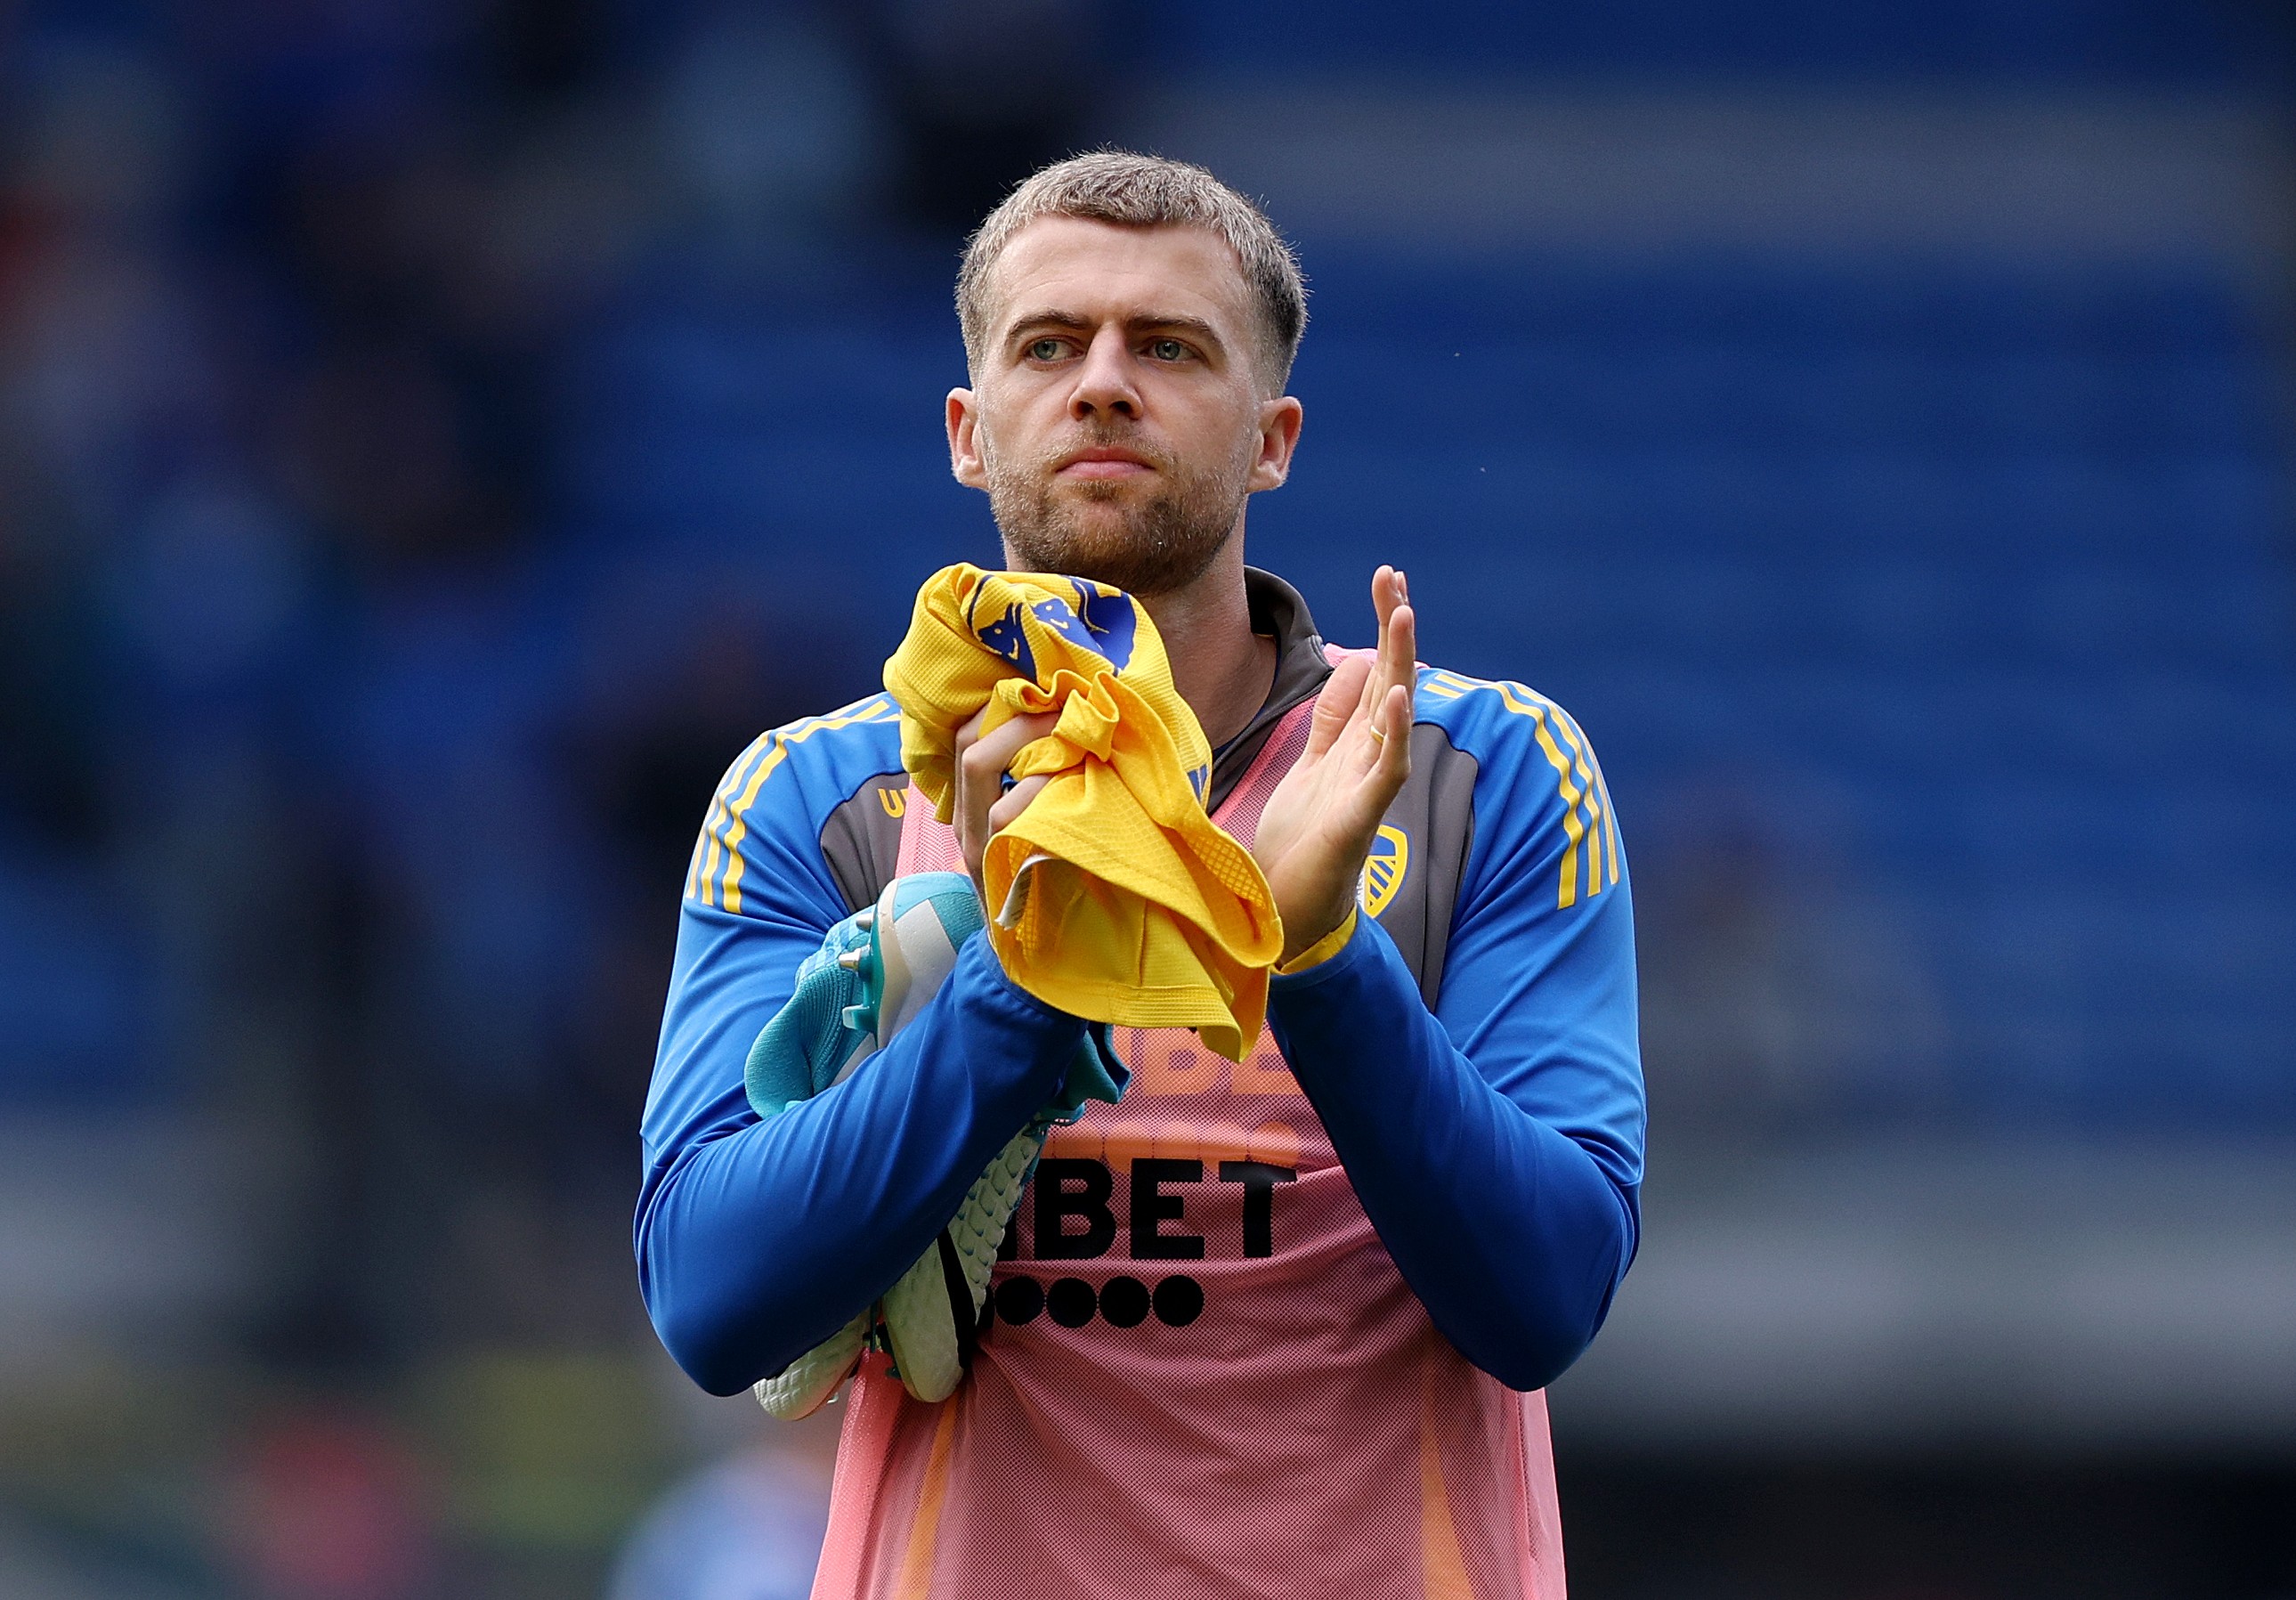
[(1104, 385)]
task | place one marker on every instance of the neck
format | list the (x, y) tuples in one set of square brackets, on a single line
[(1220, 667)]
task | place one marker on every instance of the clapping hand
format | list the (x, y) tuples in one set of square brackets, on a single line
[(1320, 822)]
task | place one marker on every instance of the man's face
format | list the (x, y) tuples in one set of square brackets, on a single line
[(1118, 421)]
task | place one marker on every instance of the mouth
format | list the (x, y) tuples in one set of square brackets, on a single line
[(1103, 463)]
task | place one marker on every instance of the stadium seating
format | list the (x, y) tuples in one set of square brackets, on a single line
[(1980, 581)]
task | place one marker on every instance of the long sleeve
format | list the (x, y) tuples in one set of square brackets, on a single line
[(1495, 1142), (756, 1240)]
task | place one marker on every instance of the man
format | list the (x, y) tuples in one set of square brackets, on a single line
[(1268, 1328)]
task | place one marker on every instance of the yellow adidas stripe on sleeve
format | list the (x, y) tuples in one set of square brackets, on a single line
[(710, 843), (714, 876), (1590, 829)]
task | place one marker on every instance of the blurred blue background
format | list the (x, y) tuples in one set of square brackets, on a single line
[(439, 436)]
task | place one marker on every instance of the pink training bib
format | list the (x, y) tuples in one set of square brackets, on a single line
[(1204, 1378)]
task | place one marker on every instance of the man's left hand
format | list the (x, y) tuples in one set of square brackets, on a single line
[(1320, 822)]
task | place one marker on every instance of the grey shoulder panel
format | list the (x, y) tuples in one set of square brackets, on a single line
[(1412, 881), (861, 840)]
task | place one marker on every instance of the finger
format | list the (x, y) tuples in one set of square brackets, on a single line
[(1015, 800), (1399, 659), (1383, 604), (980, 769), (986, 759), (1395, 755), (1386, 594), (970, 730), (1337, 705), (1386, 762)]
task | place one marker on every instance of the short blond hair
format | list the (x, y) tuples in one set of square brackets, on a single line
[(1134, 191)]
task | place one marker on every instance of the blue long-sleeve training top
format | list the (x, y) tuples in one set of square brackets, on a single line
[(1465, 1067)]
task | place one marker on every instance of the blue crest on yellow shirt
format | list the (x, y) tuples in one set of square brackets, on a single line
[(1008, 636), (1104, 621), (1101, 621)]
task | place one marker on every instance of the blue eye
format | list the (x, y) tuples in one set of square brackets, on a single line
[(1045, 349), (1167, 350)]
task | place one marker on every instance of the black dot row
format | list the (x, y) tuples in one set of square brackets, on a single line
[(1123, 1302)]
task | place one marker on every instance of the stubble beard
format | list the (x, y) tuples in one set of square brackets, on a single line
[(1108, 530)]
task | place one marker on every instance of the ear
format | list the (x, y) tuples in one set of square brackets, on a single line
[(963, 444), (1279, 435)]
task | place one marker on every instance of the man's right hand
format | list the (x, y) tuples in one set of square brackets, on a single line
[(983, 803)]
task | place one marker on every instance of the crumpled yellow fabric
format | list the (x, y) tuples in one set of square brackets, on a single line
[(1113, 896)]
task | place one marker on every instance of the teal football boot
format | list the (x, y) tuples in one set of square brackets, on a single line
[(873, 975)]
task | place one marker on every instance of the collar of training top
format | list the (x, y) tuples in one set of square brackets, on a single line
[(1278, 611)]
